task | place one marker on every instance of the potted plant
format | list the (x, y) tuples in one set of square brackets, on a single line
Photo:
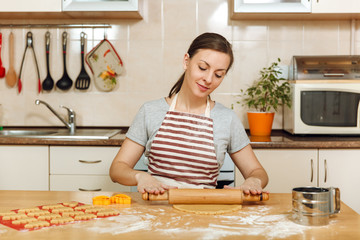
[(265, 95)]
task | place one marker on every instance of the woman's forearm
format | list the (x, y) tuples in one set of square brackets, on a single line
[(261, 175), (121, 173)]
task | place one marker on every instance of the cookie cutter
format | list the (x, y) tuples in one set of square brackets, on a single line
[(116, 199)]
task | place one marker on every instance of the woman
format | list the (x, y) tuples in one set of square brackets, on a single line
[(185, 136)]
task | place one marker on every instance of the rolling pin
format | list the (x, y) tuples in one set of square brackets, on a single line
[(205, 196)]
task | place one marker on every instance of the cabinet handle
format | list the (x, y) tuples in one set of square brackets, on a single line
[(312, 170), (325, 166), (90, 190), (87, 161)]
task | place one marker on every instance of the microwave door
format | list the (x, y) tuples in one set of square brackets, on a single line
[(330, 108)]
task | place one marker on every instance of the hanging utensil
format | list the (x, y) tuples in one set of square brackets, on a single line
[(29, 44), (48, 83), (2, 69), (65, 82), (83, 80), (11, 74)]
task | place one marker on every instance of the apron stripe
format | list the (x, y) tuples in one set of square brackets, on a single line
[(182, 164), (181, 146), (189, 122), (190, 153), (183, 126), (186, 134), (190, 141), (174, 159), (185, 171)]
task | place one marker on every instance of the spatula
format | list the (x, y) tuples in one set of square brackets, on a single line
[(83, 80), (11, 74)]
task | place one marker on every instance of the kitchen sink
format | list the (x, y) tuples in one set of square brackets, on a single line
[(62, 133)]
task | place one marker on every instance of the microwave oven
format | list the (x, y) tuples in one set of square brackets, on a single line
[(323, 108), (325, 95)]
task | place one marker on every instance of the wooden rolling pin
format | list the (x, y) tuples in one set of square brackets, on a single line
[(205, 196)]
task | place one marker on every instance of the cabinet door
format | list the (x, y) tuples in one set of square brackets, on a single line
[(81, 160), (24, 168), (340, 168), (335, 6), (286, 168), (30, 6)]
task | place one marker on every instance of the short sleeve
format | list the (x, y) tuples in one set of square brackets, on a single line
[(238, 136), (137, 131)]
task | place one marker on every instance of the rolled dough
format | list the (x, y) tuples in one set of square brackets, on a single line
[(207, 209)]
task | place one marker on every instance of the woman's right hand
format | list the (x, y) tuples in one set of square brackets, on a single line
[(147, 183)]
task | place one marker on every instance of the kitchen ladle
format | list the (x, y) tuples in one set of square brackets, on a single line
[(2, 69), (11, 74), (65, 82), (48, 83)]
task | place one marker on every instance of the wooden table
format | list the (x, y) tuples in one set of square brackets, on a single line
[(158, 220)]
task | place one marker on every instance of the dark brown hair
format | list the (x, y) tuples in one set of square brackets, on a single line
[(211, 41)]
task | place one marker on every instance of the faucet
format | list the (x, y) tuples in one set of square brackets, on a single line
[(71, 116)]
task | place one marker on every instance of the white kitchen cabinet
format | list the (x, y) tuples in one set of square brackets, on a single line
[(289, 168), (30, 6), (335, 6), (286, 168), (303, 9), (100, 5), (272, 6), (84, 168), (24, 167), (340, 168)]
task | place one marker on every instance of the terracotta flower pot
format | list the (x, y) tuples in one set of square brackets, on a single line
[(260, 123)]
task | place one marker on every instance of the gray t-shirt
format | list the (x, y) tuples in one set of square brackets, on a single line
[(229, 133)]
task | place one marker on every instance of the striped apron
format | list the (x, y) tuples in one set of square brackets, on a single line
[(182, 153)]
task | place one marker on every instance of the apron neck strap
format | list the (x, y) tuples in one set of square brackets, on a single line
[(207, 111)]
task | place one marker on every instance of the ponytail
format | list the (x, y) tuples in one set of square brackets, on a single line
[(176, 88)]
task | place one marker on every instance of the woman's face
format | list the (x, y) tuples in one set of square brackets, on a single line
[(205, 71)]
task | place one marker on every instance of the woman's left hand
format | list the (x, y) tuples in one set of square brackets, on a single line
[(250, 186)]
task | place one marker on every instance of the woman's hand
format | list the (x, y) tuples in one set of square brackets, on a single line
[(147, 183), (250, 186)]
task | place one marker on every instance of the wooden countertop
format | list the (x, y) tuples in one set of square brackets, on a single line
[(158, 220), (278, 139)]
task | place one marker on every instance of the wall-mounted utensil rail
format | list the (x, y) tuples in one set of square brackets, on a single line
[(55, 26)]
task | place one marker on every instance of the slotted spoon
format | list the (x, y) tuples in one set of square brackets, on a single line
[(83, 80)]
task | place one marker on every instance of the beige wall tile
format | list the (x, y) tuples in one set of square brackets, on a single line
[(152, 50), (180, 20)]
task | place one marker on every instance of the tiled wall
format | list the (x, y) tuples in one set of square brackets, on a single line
[(152, 50)]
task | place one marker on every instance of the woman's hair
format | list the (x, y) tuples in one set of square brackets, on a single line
[(211, 41)]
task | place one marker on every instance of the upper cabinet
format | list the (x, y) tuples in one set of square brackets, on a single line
[(29, 6), (102, 8), (74, 9), (294, 9), (272, 6), (100, 5), (335, 6)]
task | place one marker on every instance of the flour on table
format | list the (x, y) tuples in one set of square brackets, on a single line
[(256, 221)]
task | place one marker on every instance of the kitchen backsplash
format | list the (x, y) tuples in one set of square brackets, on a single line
[(152, 50)]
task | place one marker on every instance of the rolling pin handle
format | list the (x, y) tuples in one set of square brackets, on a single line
[(255, 198), (145, 196), (155, 197)]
